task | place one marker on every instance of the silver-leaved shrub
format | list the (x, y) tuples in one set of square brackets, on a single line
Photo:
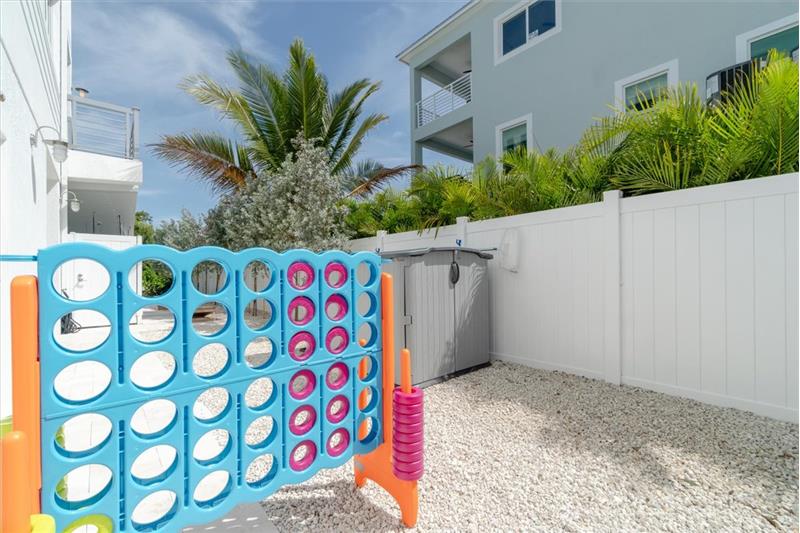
[(299, 206)]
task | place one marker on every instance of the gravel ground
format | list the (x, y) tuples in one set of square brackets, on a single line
[(513, 448)]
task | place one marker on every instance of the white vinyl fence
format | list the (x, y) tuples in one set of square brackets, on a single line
[(692, 293)]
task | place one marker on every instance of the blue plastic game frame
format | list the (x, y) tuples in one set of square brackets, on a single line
[(122, 398)]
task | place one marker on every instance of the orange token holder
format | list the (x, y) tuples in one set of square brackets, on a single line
[(377, 465)]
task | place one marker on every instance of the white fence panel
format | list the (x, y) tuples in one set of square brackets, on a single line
[(692, 293), (708, 294)]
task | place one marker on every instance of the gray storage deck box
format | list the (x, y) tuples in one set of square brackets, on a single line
[(441, 309)]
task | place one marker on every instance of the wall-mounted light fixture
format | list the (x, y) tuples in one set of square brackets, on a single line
[(74, 203), (57, 146), (59, 150)]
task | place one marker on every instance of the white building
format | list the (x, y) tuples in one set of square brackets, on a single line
[(45, 197)]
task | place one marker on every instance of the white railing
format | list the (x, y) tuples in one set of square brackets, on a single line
[(104, 128), (447, 99)]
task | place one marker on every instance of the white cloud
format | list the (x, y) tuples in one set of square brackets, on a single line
[(151, 47), (145, 47), (239, 19)]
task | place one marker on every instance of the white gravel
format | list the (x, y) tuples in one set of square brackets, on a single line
[(513, 448)]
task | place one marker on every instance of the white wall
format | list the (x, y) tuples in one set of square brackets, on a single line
[(34, 82), (692, 293)]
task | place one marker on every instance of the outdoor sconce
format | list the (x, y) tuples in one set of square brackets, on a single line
[(59, 149), (57, 146), (74, 203)]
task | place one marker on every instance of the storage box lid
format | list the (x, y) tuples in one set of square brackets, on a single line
[(423, 251)]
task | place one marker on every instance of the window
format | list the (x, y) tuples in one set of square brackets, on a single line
[(642, 93), (514, 33), (784, 41), (524, 25), (513, 134), (636, 91), (780, 34), (541, 17)]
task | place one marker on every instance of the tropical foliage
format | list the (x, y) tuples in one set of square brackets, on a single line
[(269, 110), (156, 277), (674, 142), (185, 233), (300, 205), (297, 206), (143, 227)]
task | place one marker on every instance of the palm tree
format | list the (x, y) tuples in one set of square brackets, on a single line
[(271, 110), (368, 176)]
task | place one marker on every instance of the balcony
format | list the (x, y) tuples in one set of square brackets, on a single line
[(104, 171), (103, 128), (447, 99), (723, 83)]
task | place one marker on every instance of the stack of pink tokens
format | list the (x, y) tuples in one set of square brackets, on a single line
[(407, 438)]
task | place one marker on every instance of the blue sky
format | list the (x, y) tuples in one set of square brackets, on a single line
[(135, 53)]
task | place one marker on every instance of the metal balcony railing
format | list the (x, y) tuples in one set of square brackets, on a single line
[(447, 99), (723, 83), (103, 128)]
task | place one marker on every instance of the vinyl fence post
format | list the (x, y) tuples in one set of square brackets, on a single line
[(613, 286), (380, 238), (461, 231)]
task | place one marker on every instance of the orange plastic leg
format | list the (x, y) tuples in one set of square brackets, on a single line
[(25, 379), (361, 478), (377, 465), (15, 510)]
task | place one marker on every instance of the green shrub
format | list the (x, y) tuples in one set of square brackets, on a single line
[(675, 141), (156, 278)]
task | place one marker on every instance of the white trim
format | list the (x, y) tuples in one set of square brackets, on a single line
[(670, 67), (499, 129), (499, 57), (743, 40), (408, 50)]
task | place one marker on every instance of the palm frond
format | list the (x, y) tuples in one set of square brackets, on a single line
[(762, 112), (368, 176), (345, 135), (306, 89), (354, 142), (666, 169), (264, 94), (222, 164), (338, 110)]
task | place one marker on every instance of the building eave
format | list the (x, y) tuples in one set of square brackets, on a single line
[(405, 54)]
